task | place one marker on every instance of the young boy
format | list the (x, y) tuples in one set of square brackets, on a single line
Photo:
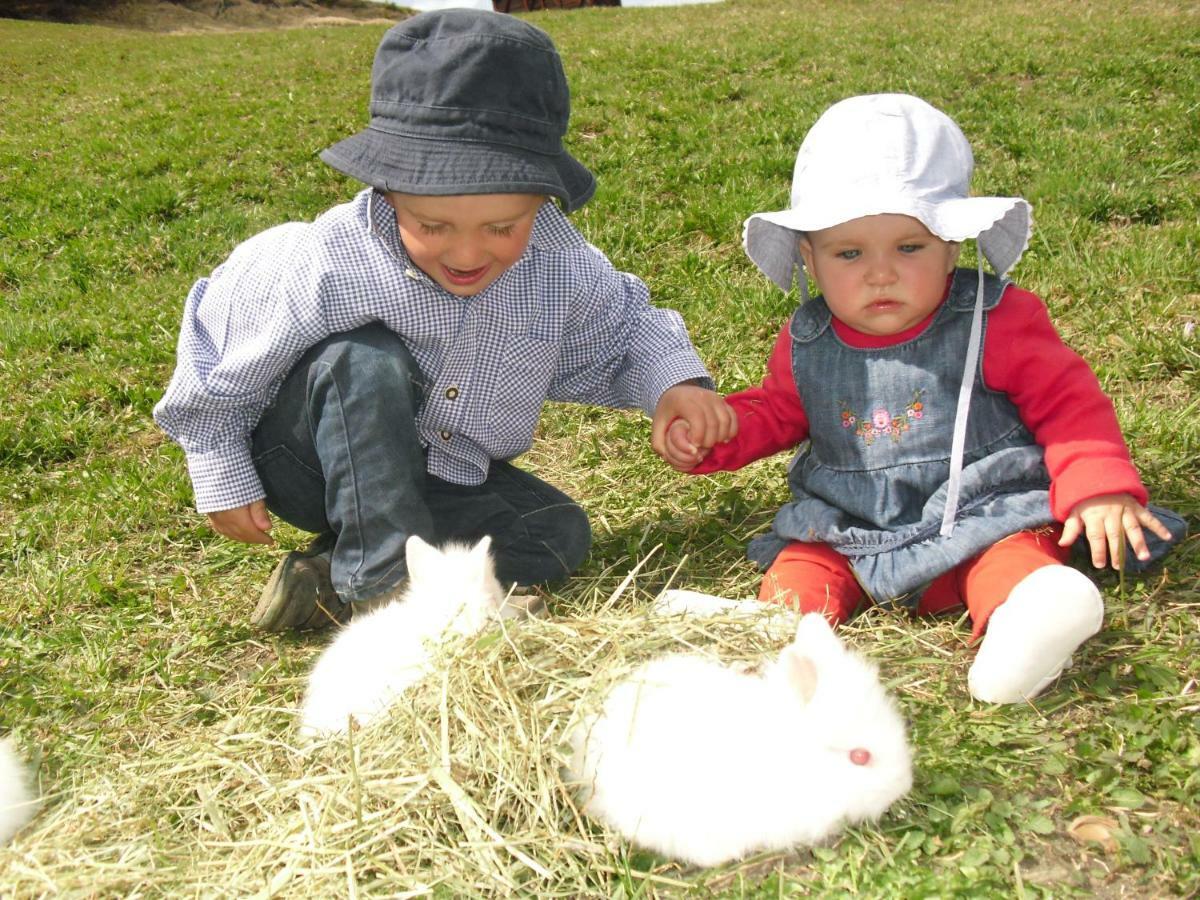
[(370, 375)]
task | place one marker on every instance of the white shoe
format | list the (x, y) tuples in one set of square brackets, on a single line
[(1031, 636)]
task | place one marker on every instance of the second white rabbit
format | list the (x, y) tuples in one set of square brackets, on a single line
[(452, 591), (705, 763)]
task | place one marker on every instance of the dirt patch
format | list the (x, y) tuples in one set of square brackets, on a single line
[(189, 16)]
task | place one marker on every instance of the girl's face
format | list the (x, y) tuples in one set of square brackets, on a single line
[(879, 274), (465, 242)]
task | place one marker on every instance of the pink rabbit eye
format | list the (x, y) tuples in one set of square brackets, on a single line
[(860, 756)]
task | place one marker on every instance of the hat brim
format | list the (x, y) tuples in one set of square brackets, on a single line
[(1001, 225), (410, 165)]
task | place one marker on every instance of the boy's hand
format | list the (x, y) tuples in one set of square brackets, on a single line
[(1107, 521), (250, 524), (706, 419)]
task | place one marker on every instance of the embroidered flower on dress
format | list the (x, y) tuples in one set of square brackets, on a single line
[(881, 422)]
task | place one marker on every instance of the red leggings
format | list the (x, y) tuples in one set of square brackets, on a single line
[(816, 578)]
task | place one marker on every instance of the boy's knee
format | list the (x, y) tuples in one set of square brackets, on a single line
[(555, 542), (372, 355), (574, 533), (370, 344)]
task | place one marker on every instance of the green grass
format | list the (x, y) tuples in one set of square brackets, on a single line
[(131, 164)]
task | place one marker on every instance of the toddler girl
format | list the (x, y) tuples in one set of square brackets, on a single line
[(955, 447)]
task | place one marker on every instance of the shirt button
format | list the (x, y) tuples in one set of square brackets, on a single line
[(411, 272), (445, 435), (451, 393)]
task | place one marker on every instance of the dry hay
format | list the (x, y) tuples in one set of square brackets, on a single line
[(457, 791)]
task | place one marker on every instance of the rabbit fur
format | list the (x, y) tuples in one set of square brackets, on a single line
[(17, 803), (704, 763), (451, 592)]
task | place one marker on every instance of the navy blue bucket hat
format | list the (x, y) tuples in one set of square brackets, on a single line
[(466, 102)]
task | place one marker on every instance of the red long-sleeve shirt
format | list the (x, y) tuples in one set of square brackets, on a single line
[(1057, 395)]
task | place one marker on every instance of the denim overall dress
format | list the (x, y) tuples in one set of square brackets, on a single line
[(871, 481)]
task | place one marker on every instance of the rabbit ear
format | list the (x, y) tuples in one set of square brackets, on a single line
[(814, 650), (483, 546), (815, 637), (800, 672), (417, 554)]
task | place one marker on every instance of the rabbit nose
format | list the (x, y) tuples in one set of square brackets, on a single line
[(860, 756)]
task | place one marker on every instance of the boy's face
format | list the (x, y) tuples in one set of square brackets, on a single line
[(879, 274), (465, 242)]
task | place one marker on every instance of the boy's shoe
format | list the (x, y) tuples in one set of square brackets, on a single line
[(299, 595), (1031, 635)]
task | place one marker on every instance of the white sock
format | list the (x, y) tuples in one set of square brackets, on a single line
[(1031, 636)]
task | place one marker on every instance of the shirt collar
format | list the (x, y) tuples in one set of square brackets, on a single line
[(381, 221), (552, 230)]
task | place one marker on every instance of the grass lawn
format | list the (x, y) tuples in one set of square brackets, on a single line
[(162, 727)]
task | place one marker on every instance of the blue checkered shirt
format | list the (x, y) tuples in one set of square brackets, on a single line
[(561, 324)]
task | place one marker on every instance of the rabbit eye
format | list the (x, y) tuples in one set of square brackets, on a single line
[(860, 756)]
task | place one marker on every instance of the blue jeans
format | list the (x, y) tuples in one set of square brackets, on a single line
[(338, 453)]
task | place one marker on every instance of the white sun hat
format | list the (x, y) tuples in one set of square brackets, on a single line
[(886, 153)]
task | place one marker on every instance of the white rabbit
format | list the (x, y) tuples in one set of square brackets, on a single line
[(17, 804), (705, 764), (451, 591)]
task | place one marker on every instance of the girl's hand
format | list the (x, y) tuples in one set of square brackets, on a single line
[(250, 524), (708, 419), (680, 453), (1107, 521)]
